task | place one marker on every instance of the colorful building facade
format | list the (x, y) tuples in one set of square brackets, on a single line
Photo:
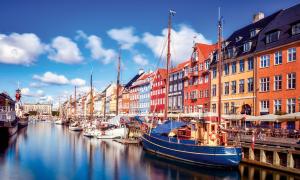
[(158, 91), (197, 83)]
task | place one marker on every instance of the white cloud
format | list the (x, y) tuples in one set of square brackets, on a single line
[(140, 60), (56, 79), (27, 92), (78, 82), (98, 52), (37, 84), (64, 50), (52, 78), (124, 36), (20, 48), (181, 42)]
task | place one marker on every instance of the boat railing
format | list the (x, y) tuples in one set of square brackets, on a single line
[(6, 109), (7, 116)]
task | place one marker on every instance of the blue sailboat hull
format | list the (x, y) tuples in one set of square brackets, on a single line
[(220, 156)]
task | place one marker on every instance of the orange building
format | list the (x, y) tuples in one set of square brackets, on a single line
[(278, 65)]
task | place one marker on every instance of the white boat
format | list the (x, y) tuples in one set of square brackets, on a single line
[(75, 128), (59, 122), (89, 133), (113, 133)]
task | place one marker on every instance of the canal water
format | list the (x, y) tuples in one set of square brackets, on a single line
[(48, 151)]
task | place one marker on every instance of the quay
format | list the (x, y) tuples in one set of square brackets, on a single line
[(277, 153)]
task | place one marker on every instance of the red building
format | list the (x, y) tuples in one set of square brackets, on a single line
[(158, 91), (197, 79)]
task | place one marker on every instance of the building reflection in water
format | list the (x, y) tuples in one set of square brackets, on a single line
[(48, 151)]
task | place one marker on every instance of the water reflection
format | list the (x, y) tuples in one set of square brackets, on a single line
[(48, 151)]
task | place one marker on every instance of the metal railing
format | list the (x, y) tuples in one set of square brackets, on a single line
[(6, 109)]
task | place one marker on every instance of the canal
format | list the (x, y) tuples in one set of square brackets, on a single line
[(48, 151)]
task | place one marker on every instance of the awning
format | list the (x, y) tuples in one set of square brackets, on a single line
[(292, 116), (266, 118), (168, 126)]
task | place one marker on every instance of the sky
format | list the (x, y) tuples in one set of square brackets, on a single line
[(48, 47)]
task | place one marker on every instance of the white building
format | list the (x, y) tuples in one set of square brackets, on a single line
[(44, 109)]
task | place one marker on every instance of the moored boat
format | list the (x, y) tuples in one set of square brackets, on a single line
[(8, 120)]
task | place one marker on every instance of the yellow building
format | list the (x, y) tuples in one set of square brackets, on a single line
[(238, 67)]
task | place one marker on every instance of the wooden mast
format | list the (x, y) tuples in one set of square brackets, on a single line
[(219, 58), (171, 13), (118, 82)]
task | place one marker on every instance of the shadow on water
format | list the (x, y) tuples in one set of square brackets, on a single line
[(162, 167)]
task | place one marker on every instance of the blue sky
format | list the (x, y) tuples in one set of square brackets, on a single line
[(49, 46)]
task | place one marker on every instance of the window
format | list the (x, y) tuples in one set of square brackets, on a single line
[(277, 82), (214, 90), (226, 69), (250, 63), (241, 86), (296, 28), (264, 84), (291, 54), (278, 58), (242, 65), (247, 46), (171, 88), (226, 108), (200, 94), (201, 66), (233, 110), (230, 52), (264, 106), (277, 106), (250, 84), (214, 72), (233, 87), (272, 37), (226, 86), (186, 96), (206, 65), (214, 108), (233, 67), (180, 75), (264, 61), (291, 105), (171, 77), (206, 93), (252, 33), (179, 101), (206, 79), (195, 56), (175, 87), (291, 80), (175, 76), (201, 80), (179, 86)]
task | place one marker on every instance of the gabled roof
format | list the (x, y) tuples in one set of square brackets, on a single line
[(180, 66), (162, 72), (206, 49), (244, 34), (283, 22), (136, 77)]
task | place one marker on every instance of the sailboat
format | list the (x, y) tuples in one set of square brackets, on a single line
[(168, 138), (117, 130), (90, 128), (75, 126)]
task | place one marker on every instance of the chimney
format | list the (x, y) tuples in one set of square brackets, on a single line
[(258, 16), (141, 71)]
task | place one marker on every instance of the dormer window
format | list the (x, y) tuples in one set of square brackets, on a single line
[(272, 37), (230, 52), (296, 28), (247, 46), (237, 39), (253, 33), (195, 56)]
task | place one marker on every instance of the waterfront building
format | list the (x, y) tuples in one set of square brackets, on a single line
[(238, 69), (176, 90), (197, 81), (133, 87), (158, 91), (111, 99), (39, 108), (278, 66), (98, 104)]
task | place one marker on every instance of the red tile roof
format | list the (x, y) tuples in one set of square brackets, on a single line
[(180, 66), (206, 49)]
